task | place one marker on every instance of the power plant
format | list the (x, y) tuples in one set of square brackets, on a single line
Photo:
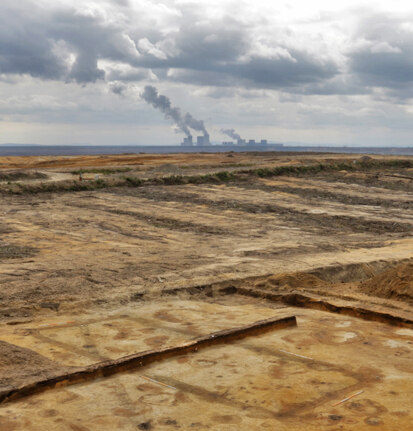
[(242, 142), (201, 141), (187, 142), (184, 123)]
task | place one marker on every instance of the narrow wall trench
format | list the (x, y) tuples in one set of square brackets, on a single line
[(317, 360)]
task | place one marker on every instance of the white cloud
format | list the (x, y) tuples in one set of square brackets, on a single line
[(152, 49), (313, 68)]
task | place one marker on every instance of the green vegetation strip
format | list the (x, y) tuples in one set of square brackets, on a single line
[(104, 171), (217, 177), (10, 251), (21, 175)]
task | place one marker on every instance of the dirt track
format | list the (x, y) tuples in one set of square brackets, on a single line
[(68, 256)]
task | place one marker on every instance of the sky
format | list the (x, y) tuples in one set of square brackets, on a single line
[(319, 72)]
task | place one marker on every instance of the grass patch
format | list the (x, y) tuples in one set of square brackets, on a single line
[(133, 182), (216, 177), (216, 166), (104, 171), (10, 251), (62, 186), (22, 175)]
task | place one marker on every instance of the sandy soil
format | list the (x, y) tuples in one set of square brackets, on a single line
[(342, 235)]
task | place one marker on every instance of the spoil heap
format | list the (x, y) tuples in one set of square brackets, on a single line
[(395, 283), (288, 281)]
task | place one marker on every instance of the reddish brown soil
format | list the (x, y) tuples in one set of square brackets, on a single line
[(19, 365), (395, 283)]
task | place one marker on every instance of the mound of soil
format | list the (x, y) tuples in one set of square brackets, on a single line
[(288, 281), (395, 283), (19, 365), (22, 175), (353, 272)]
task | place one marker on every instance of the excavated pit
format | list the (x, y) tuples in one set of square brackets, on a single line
[(230, 301), (214, 356)]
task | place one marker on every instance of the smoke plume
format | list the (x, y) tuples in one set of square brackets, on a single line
[(158, 101), (231, 133), (163, 103), (194, 124)]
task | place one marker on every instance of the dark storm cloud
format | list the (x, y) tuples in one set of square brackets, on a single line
[(25, 46), (84, 46), (383, 52), (284, 71), (217, 53), (343, 85), (40, 41), (258, 72), (59, 43), (204, 45), (85, 69), (90, 38)]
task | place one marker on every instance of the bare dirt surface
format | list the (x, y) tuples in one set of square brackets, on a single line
[(19, 366), (394, 283), (150, 251)]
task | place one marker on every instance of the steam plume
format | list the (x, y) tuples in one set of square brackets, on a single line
[(231, 133), (197, 125), (158, 101), (163, 103)]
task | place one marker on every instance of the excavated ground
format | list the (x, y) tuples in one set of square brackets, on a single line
[(100, 275)]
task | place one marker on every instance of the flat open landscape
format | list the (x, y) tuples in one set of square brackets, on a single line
[(232, 291)]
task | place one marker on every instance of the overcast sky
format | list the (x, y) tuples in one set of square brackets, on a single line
[(289, 71)]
